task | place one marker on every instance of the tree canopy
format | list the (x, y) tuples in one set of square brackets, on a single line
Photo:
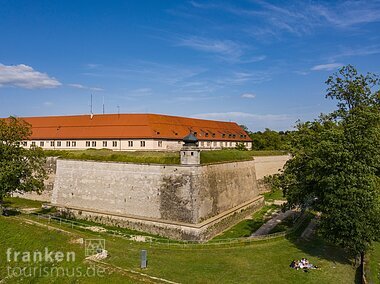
[(335, 167), (21, 170)]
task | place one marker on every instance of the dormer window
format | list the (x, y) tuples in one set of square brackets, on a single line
[(195, 133), (206, 134)]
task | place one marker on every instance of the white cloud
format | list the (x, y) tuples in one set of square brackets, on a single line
[(326, 67), (248, 96), (224, 47), (24, 76), (141, 92), (238, 115), (300, 17), (47, 104), (80, 86), (253, 121)]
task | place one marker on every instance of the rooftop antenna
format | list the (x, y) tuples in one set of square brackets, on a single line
[(91, 113), (103, 104)]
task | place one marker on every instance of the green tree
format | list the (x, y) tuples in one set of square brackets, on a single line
[(269, 140), (335, 166), (21, 170)]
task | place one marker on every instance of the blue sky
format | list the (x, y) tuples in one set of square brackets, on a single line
[(259, 63)]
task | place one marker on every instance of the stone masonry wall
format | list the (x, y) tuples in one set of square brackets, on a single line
[(51, 167), (186, 194), (266, 166)]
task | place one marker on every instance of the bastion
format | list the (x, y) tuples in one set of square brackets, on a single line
[(192, 202)]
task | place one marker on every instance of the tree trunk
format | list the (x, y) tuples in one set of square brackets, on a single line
[(362, 272), (1, 207)]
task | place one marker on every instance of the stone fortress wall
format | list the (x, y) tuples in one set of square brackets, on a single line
[(179, 195), (177, 201)]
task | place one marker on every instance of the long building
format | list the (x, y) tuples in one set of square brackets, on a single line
[(123, 132)]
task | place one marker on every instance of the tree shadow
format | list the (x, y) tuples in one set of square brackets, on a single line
[(8, 212), (317, 246)]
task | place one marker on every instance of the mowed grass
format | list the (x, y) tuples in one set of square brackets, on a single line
[(20, 236), (274, 195), (19, 203), (259, 262), (373, 266), (246, 227), (155, 157)]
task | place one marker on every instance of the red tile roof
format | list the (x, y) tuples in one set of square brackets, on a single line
[(132, 126)]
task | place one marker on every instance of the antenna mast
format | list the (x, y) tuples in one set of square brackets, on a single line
[(103, 104), (91, 113)]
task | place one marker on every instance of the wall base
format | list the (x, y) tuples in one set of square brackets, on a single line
[(173, 230)]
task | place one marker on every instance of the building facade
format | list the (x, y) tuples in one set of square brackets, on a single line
[(131, 132)]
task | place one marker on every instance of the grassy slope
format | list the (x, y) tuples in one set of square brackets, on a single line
[(374, 264), (159, 157), (246, 227), (261, 262), (274, 195)]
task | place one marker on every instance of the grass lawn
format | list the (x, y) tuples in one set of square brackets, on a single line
[(246, 227), (286, 224), (259, 262), (158, 157), (19, 203), (274, 195), (374, 264)]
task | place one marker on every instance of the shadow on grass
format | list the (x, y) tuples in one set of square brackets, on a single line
[(10, 212), (318, 247)]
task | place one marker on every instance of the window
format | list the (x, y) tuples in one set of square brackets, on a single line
[(130, 143), (93, 143), (42, 143), (195, 133), (33, 144), (192, 153), (223, 135), (68, 143), (208, 143), (73, 143), (159, 143), (104, 143), (206, 134), (142, 143), (24, 143), (230, 144), (114, 143), (88, 143), (215, 143), (213, 135), (202, 143), (52, 143), (59, 143)]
